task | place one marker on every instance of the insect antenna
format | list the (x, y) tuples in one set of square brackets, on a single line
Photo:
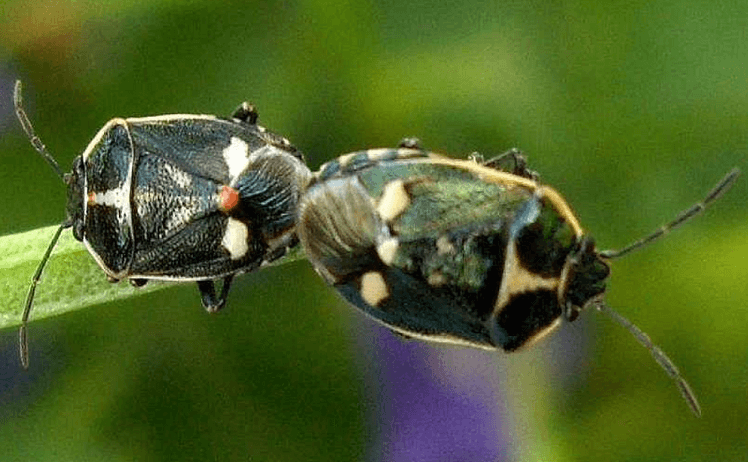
[(23, 118), (29, 129), (23, 339), (721, 187), (662, 359)]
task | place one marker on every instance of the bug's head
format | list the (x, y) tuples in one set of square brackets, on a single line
[(589, 269), (586, 273)]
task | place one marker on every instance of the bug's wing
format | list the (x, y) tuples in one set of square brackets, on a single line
[(201, 146), (182, 225), (420, 248)]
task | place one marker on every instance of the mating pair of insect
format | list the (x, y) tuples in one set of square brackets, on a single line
[(471, 252)]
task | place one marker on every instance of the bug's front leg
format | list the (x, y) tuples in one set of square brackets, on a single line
[(512, 161), (246, 112)]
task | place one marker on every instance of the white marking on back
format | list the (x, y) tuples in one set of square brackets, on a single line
[(394, 201), (235, 238), (116, 198), (236, 156), (373, 288), (387, 250)]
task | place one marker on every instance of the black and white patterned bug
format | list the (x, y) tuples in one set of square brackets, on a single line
[(461, 251), (179, 197)]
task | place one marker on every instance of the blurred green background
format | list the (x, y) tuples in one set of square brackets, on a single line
[(632, 110)]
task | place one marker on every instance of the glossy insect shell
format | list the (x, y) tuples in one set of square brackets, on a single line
[(187, 197), (448, 250)]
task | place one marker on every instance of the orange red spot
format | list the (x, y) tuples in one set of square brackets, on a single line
[(228, 198)]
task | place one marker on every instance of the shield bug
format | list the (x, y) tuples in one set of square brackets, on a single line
[(179, 197), (461, 251)]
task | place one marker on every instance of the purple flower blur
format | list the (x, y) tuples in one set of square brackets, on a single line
[(435, 403)]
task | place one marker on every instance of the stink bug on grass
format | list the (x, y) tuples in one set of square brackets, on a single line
[(178, 197), (461, 251)]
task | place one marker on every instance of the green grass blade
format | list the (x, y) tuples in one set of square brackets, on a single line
[(71, 280)]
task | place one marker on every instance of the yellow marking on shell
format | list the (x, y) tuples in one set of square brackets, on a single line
[(517, 280), (345, 159), (490, 175), (374, 288), (394, 201), (436, 279), (441, 337), (387, 250), (444, 247), (376, 155)]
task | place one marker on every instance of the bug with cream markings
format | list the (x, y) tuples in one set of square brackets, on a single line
[(461, 251), (179, 197)]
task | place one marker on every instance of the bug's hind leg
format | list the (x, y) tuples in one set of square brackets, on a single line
[(208, 297)]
